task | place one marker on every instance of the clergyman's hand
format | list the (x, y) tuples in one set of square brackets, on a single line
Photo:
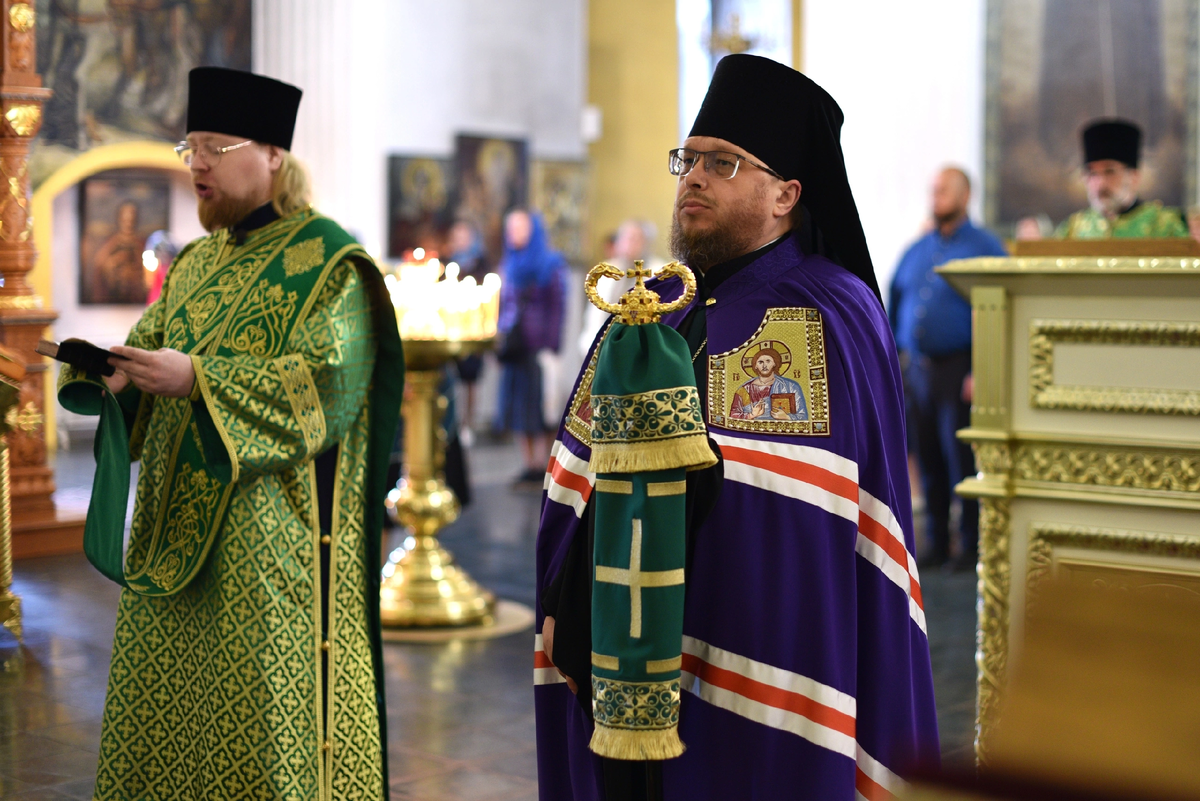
[(548, 648), (164, 372), (116, 382)]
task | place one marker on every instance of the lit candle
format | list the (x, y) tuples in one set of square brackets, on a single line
[(433, 304)]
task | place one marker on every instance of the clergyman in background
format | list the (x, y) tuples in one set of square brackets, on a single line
[(1111, 155), (932, 326)]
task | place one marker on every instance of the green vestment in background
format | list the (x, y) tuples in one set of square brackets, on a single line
[(1149, 220), (216, 689)]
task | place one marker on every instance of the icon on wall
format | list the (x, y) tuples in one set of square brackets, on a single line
[(118, 210)]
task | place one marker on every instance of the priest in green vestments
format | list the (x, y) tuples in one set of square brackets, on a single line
[(1111, 152), (261, 394)]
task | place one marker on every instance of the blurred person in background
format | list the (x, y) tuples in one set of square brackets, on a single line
[(932, 326), (1111, 152), (531, 320), (633, 240), (465, 246), (164, 251)]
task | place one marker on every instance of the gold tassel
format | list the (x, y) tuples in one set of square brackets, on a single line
[(691, 451), (638, 745)]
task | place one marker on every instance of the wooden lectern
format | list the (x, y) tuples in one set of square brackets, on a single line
[(1086, 429)]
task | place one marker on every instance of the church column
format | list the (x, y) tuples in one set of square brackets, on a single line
[(335, 52), (23, 319)]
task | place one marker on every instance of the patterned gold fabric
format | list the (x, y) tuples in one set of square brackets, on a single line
[(1146, 220), (215, 691)]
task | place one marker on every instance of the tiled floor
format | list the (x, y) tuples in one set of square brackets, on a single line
[(460, 715)]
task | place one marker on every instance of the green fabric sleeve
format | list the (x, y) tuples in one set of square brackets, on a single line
[(273, 413)]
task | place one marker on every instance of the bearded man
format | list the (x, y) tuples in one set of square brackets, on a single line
[(932, 326), (1111, 151), (805, 665), (261, 393)]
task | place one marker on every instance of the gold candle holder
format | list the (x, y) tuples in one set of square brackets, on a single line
[(439, 321)]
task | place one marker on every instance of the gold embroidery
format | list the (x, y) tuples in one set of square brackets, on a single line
[(792, 340), (664, 665), (605, 662), (645, 706), (637, 579), (579, 416), (614, 487), (303, 256), (646, 416), (306, 403), (659, 489)]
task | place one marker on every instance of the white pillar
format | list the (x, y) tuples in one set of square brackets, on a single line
[(335, 53)]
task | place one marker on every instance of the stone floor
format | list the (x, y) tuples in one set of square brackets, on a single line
[(460, 714)]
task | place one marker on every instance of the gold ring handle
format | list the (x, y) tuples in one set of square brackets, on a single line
[(639, 305), (602, 270)]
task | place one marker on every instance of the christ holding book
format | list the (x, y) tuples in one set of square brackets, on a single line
[(768, 396)]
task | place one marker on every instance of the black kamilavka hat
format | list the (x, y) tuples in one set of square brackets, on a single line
[(1119, 140), (242, 104), (781, 116)]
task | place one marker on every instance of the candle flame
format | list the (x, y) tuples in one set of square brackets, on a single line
[(432, 303)]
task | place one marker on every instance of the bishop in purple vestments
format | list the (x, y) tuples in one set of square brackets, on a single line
[(805, 664)]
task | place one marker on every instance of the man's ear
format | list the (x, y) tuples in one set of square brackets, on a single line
[(274, 157), (788, 198)]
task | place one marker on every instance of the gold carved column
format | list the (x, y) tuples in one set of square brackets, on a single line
[(23, 317), (12, 372)]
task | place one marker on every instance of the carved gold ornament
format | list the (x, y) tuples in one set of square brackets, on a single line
[(1045, 394), (28, 420), (639, 305), (24, 119), (1045, 537), (22, 17), (991, 638)]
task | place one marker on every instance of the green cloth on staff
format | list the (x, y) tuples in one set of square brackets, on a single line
[(647, 431)]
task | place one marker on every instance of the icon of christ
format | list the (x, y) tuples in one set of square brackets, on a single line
[(768, 396)]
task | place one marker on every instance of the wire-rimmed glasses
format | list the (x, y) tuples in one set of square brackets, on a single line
[(720, 163), (208, 152)]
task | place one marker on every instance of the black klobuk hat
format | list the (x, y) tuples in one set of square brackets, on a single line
[(784, 118), (242, 104), (1119, 140)]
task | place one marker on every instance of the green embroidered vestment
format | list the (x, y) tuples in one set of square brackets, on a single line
[(215, 689), (1149, 220)]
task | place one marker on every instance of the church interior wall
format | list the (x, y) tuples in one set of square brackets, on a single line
[(912, 89), (104, 325)]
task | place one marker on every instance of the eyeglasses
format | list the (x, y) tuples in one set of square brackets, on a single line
[(211, 155), (720, 163)]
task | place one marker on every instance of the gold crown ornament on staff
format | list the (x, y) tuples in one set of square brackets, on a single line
[(639, 306)]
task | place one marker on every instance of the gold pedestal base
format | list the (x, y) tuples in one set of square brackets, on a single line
[(422, 586)]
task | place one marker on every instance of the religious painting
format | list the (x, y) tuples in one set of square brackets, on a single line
[(420, 203), (118, 210), (1055, 65), (775, 382), (119, 68), (560, 193), (492, 176)]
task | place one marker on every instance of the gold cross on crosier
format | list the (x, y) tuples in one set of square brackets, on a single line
[(635, 579)]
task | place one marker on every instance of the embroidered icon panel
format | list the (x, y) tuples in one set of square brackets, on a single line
[(775, 382)]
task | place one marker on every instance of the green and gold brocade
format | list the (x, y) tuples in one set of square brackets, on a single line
[(647, 431), (215, 688), (1148, 220)]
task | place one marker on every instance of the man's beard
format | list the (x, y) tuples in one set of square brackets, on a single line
[(732, 235), (1113, 203), (224, 211)]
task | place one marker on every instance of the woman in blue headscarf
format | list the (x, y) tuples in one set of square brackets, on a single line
[(531, 319)]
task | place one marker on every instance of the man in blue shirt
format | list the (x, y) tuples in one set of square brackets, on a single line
[(932, 326)]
